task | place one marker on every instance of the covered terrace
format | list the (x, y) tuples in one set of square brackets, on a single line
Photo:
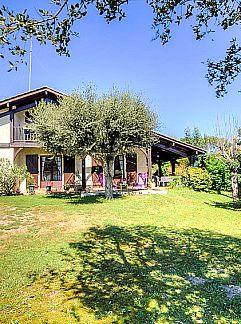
[(170, 149)]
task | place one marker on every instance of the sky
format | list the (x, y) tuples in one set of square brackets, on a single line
[(170, 78)]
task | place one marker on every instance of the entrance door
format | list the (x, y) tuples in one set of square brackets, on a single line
[(97, 173), (131, 168), (51, 171), (32, 166), (69, 170)]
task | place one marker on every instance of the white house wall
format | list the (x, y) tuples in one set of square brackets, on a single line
[(7, 153), (5, 129), (19, 118), (78, 169), (21, 156), (21, 160), (141, 161), (88, 171)]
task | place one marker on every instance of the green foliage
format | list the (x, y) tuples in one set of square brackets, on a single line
[(154, 169), (177, 182), (197, 179), (194, 137), (219, 172), (181, 166), (230, 148), (102, 127), (166, 168), (11, 176), (56, 26), (30, 180)]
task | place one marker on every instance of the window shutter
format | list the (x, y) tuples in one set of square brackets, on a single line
[(32, 163)]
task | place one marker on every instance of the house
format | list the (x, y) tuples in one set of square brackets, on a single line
[(18, 144)]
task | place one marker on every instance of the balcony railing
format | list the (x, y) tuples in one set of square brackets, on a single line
[(23, 134)]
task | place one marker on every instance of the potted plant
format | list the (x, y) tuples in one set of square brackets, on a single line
[(67, 187), (31, 184)]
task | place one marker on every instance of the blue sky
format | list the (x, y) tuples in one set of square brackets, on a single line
[(171, 78)]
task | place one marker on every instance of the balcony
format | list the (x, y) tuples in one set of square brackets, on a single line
[(24, 137)]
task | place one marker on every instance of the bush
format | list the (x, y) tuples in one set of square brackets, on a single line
[(176, 182), (11, 176), (197, 178), (166, 168), (181, 166), (219, 172)]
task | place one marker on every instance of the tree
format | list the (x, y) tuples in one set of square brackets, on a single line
[(219, 172), (57, 27), (229, 142), (227, 146), (100, 126), (194, 137)]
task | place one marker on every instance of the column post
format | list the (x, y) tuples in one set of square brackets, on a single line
[(173, 163), (149, 167), (11, 126), (83, 174)]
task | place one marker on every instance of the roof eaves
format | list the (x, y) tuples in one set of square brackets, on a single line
[(193, 147), (29, 93)]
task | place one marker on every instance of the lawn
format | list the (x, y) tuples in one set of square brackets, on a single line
[(137, 259)]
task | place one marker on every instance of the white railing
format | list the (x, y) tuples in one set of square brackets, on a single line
[(23, 134)]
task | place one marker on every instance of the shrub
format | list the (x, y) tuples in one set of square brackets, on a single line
[(10, 176), (166, 168), (219, 172), (181, 166), (197, 178), (176, 182)]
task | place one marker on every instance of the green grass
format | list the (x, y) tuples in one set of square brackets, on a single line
[(66, 259)]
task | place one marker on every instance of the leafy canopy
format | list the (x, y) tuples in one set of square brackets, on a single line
[(57, 25), (194, 137), (100, 126)]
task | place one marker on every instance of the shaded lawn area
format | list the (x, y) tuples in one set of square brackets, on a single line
[(66, 259)]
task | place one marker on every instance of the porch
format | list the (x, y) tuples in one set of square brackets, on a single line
[(168, 149), (131, 171), (23, 134)]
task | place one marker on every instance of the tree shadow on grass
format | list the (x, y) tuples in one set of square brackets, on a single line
[(232, 205), (75, 198), (140, 274)]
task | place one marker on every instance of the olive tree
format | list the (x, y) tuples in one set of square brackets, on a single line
[(56, 23), (100, 126)]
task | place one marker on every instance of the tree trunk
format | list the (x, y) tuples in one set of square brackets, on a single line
[(109, 173), (235, 189)]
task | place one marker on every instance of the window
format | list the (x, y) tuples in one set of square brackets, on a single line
[(28, 118), (51, 168)]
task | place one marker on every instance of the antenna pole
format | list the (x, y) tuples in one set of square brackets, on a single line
[(30, 64)]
